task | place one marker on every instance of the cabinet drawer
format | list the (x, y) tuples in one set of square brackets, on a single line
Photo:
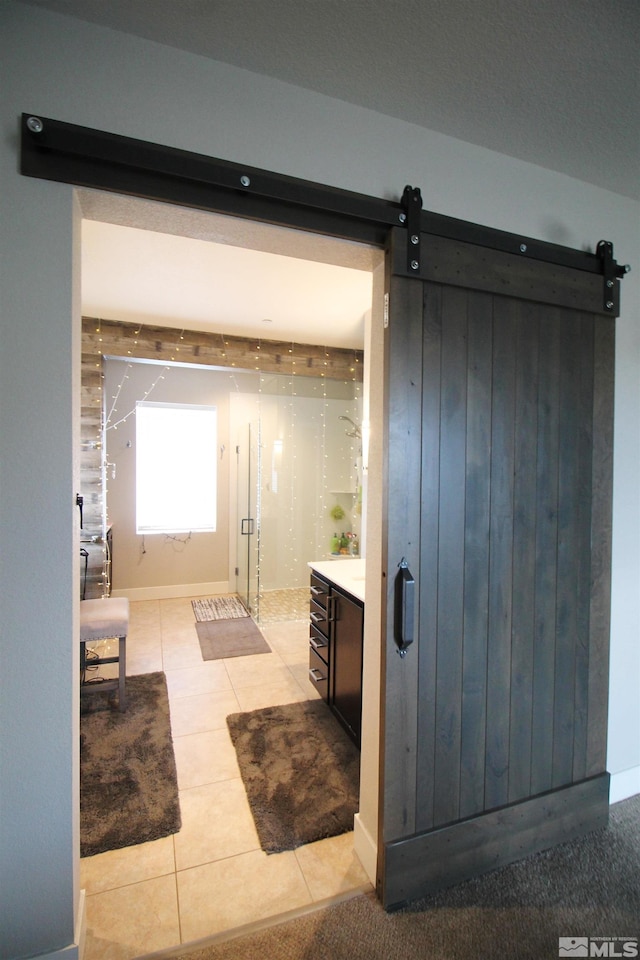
[(319, 674), (319, 643), (319, 617), (319, 590)]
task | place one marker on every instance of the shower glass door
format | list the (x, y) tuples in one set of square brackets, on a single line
[(248, 531)]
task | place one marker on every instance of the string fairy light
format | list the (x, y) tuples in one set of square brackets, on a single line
[(116, 396), (117, 423), (322, 534)]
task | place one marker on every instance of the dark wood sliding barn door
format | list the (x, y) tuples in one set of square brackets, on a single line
[(500, 410)]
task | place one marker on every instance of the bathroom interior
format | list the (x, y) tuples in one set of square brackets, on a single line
[(290, 481), (291, 489)]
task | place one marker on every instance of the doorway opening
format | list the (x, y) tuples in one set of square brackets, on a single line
[(292, 410), (295, 382)]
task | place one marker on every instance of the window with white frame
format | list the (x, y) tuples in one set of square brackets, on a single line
[(176, 467)]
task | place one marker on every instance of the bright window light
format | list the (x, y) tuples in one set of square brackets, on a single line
[(176, 476)]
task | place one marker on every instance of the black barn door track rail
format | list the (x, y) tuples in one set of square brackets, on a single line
[(67, 153)]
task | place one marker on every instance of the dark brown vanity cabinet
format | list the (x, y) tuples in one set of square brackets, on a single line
[(335, 651)]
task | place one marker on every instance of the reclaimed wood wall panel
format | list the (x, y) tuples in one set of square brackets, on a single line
[(168, 345)]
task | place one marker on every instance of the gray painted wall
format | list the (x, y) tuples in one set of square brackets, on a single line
[(91, 76)]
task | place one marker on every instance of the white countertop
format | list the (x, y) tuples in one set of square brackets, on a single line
[(348, 574)]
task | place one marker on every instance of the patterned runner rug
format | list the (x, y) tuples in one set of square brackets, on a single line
[(218, 608)]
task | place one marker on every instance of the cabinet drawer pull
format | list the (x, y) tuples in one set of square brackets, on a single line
[(317, 644), (318, 592), (316, 675), (317, 617)]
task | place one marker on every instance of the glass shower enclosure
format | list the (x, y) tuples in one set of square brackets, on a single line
[(298, 482), (247, 526)]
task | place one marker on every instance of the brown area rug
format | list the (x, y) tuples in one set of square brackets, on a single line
[(300, 770), (230, 638), (128, 782)]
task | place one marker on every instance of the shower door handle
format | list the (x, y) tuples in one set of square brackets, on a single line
[(246, 528)]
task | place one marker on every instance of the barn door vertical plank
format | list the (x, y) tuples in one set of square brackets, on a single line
[(429, 541), (476, 553), (583, 507), (403, 376), (453, 427), (546, 552), (568, 542), (524, 531), (601, 519), (501, 555)]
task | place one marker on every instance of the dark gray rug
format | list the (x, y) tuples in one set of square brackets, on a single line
[(230, 638), (300, 770), (128, 782)]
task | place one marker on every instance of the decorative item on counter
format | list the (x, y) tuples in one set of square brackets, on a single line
[(344, 544), (335, 545), (336, 512), (354, 545)]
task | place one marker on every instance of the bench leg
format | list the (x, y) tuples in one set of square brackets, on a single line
[(122, 672), (83, 661)]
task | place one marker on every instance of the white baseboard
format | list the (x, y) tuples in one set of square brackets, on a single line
[(366, 849), (81, 924), (174, 591), (624, 785), (73, 951)]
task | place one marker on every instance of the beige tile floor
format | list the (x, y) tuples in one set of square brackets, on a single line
[(211, 876)]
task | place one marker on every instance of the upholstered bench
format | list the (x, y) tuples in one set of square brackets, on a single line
[(104, 620)]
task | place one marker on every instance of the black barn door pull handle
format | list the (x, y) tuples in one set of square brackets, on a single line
[(404, 604)]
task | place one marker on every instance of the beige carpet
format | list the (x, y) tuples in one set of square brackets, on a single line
[(587, 888)]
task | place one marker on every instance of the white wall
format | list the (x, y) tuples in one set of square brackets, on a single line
[(76, 72)]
